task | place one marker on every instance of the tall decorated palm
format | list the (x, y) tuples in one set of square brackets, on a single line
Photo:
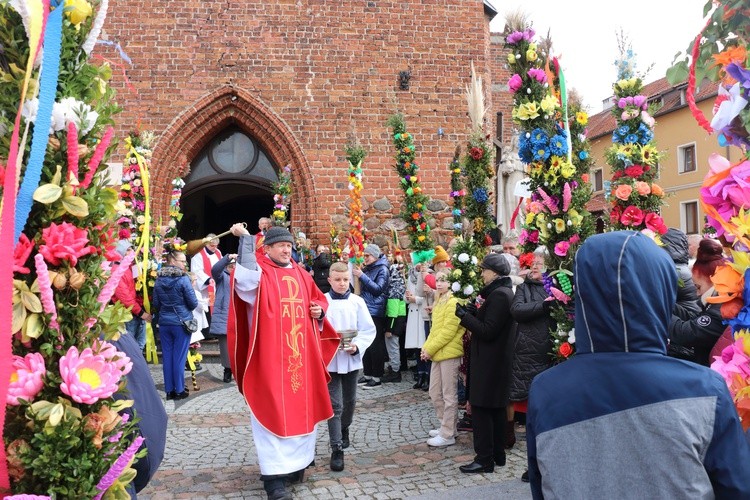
[(62, 435), (633, 156), (553, 145), (414, 211)]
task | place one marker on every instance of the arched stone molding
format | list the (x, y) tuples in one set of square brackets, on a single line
[(192, 129)]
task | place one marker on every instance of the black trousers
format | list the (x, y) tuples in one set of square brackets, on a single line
[(373, 361), (489, 434)]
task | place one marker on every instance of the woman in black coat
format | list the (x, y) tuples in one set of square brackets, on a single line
[(491, 355)]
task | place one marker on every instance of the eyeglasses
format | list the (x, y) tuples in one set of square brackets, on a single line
[(181, 261)]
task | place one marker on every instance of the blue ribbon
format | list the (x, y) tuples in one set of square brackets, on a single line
[(40, 138)]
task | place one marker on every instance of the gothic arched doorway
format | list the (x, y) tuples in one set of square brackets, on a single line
[(230, 181)]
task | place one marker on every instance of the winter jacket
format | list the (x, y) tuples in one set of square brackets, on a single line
[(174, 299), (395, 306), (620, 419), (320, 267), (446, 335), (125, 294), (693, 339), (220, 274), (533, 346), (491, 347), (374, 286), (416, 312), (676, 245)]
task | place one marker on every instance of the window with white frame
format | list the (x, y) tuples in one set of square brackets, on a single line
[(686, 159), (689, 217), (597, 179)]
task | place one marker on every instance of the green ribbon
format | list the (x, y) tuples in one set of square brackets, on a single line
[(564, 97)]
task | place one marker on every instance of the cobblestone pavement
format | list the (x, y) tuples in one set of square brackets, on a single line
[(210, 452)]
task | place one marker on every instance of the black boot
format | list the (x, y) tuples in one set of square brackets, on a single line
[(227, 375), (337, 459), (420, 381), (276, 490), (344, 438), (426, 384)]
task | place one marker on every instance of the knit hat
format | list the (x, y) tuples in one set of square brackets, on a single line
[(373, 250), (496, 262), (440, 255), (276, 234), (122, 247)]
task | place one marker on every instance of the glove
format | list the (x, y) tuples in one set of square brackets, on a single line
[(460, 311), (471, 308)]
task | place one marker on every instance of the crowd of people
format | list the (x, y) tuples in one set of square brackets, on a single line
[(300, 338)]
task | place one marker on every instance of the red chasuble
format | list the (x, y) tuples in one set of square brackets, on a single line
[(280, 360)]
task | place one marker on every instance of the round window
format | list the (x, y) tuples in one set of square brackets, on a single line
[(232, 153)]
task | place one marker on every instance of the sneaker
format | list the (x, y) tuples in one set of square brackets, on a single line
[(434, 432), (439, 441), (372, 383), (392, 377), (525, 477), (465, 424), (362, 380)]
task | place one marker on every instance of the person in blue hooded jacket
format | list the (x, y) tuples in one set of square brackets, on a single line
[(620, 419)]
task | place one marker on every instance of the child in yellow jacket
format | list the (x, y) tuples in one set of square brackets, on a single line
[(444, 346)]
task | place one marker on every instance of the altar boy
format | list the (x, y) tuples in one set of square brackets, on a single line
[(346, 311)]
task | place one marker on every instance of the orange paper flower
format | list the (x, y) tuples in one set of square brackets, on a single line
[(728, 283)]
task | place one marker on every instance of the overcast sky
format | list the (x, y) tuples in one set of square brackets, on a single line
[(584, 36)]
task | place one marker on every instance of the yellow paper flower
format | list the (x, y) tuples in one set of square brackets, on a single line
[(535, 169), (649, 154), (527, 111), (550, 176), (77, 11), (512, 58), (549, 104), (559, 225), (567, 170), (541, 220), (625, 149), (530, 218), (575, 217), (531, 55), (582, 118), (740, 260), (457, 273)]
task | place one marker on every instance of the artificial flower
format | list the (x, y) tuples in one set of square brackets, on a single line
[(527, 111), (21, 254), (730, 191), (561, 248), (89, 377), (632, 216), (567, 170), (655, 223), (537, 74), (26, 378), (77, 11), (642, 188), (515, 83), (656, 190), (623, 192), (531, 55), (549, 104), (64, 242), (559, 225), (582, 118), (566, 350)]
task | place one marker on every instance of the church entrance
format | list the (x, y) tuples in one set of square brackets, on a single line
[(230, 181)]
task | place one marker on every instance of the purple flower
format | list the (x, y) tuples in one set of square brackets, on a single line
[(740, 74), (514, 37), (640, 101)]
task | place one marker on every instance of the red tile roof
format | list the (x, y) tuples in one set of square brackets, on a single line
[(603, 123), (597, 203)]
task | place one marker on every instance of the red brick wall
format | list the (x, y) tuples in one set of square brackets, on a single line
[(304, 78)]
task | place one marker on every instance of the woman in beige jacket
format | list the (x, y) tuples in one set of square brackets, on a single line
[(444, 346)]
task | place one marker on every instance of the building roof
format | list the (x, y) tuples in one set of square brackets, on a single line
[(597, 203), (490, 9), (671, 97)]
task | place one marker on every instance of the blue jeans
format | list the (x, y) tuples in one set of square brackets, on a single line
[(137, 328), (343, 391), (174, 346)]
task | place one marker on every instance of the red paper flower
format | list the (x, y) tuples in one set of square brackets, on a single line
[(21, 254), (634, 171), (632, 216), (614, 214), (476, 153), (566, 349), (108, 244), (525, 259), (65, 242)]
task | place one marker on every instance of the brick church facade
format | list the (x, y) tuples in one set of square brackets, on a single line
[(235, 91)]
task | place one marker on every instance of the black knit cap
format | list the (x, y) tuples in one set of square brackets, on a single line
[(497, 263), (277, 234)]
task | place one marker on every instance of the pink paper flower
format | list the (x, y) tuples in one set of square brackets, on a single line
[(567, 196), (574, 239), (561, 248), (729, 193), (733, 361), (88, 376), (632, 216), (655, 223), (515, 82), (537, 74), (623, 192), (26, 379), (21, 254), (65, 242)]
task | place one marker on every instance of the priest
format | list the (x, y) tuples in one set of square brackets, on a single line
[(280, 345)]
